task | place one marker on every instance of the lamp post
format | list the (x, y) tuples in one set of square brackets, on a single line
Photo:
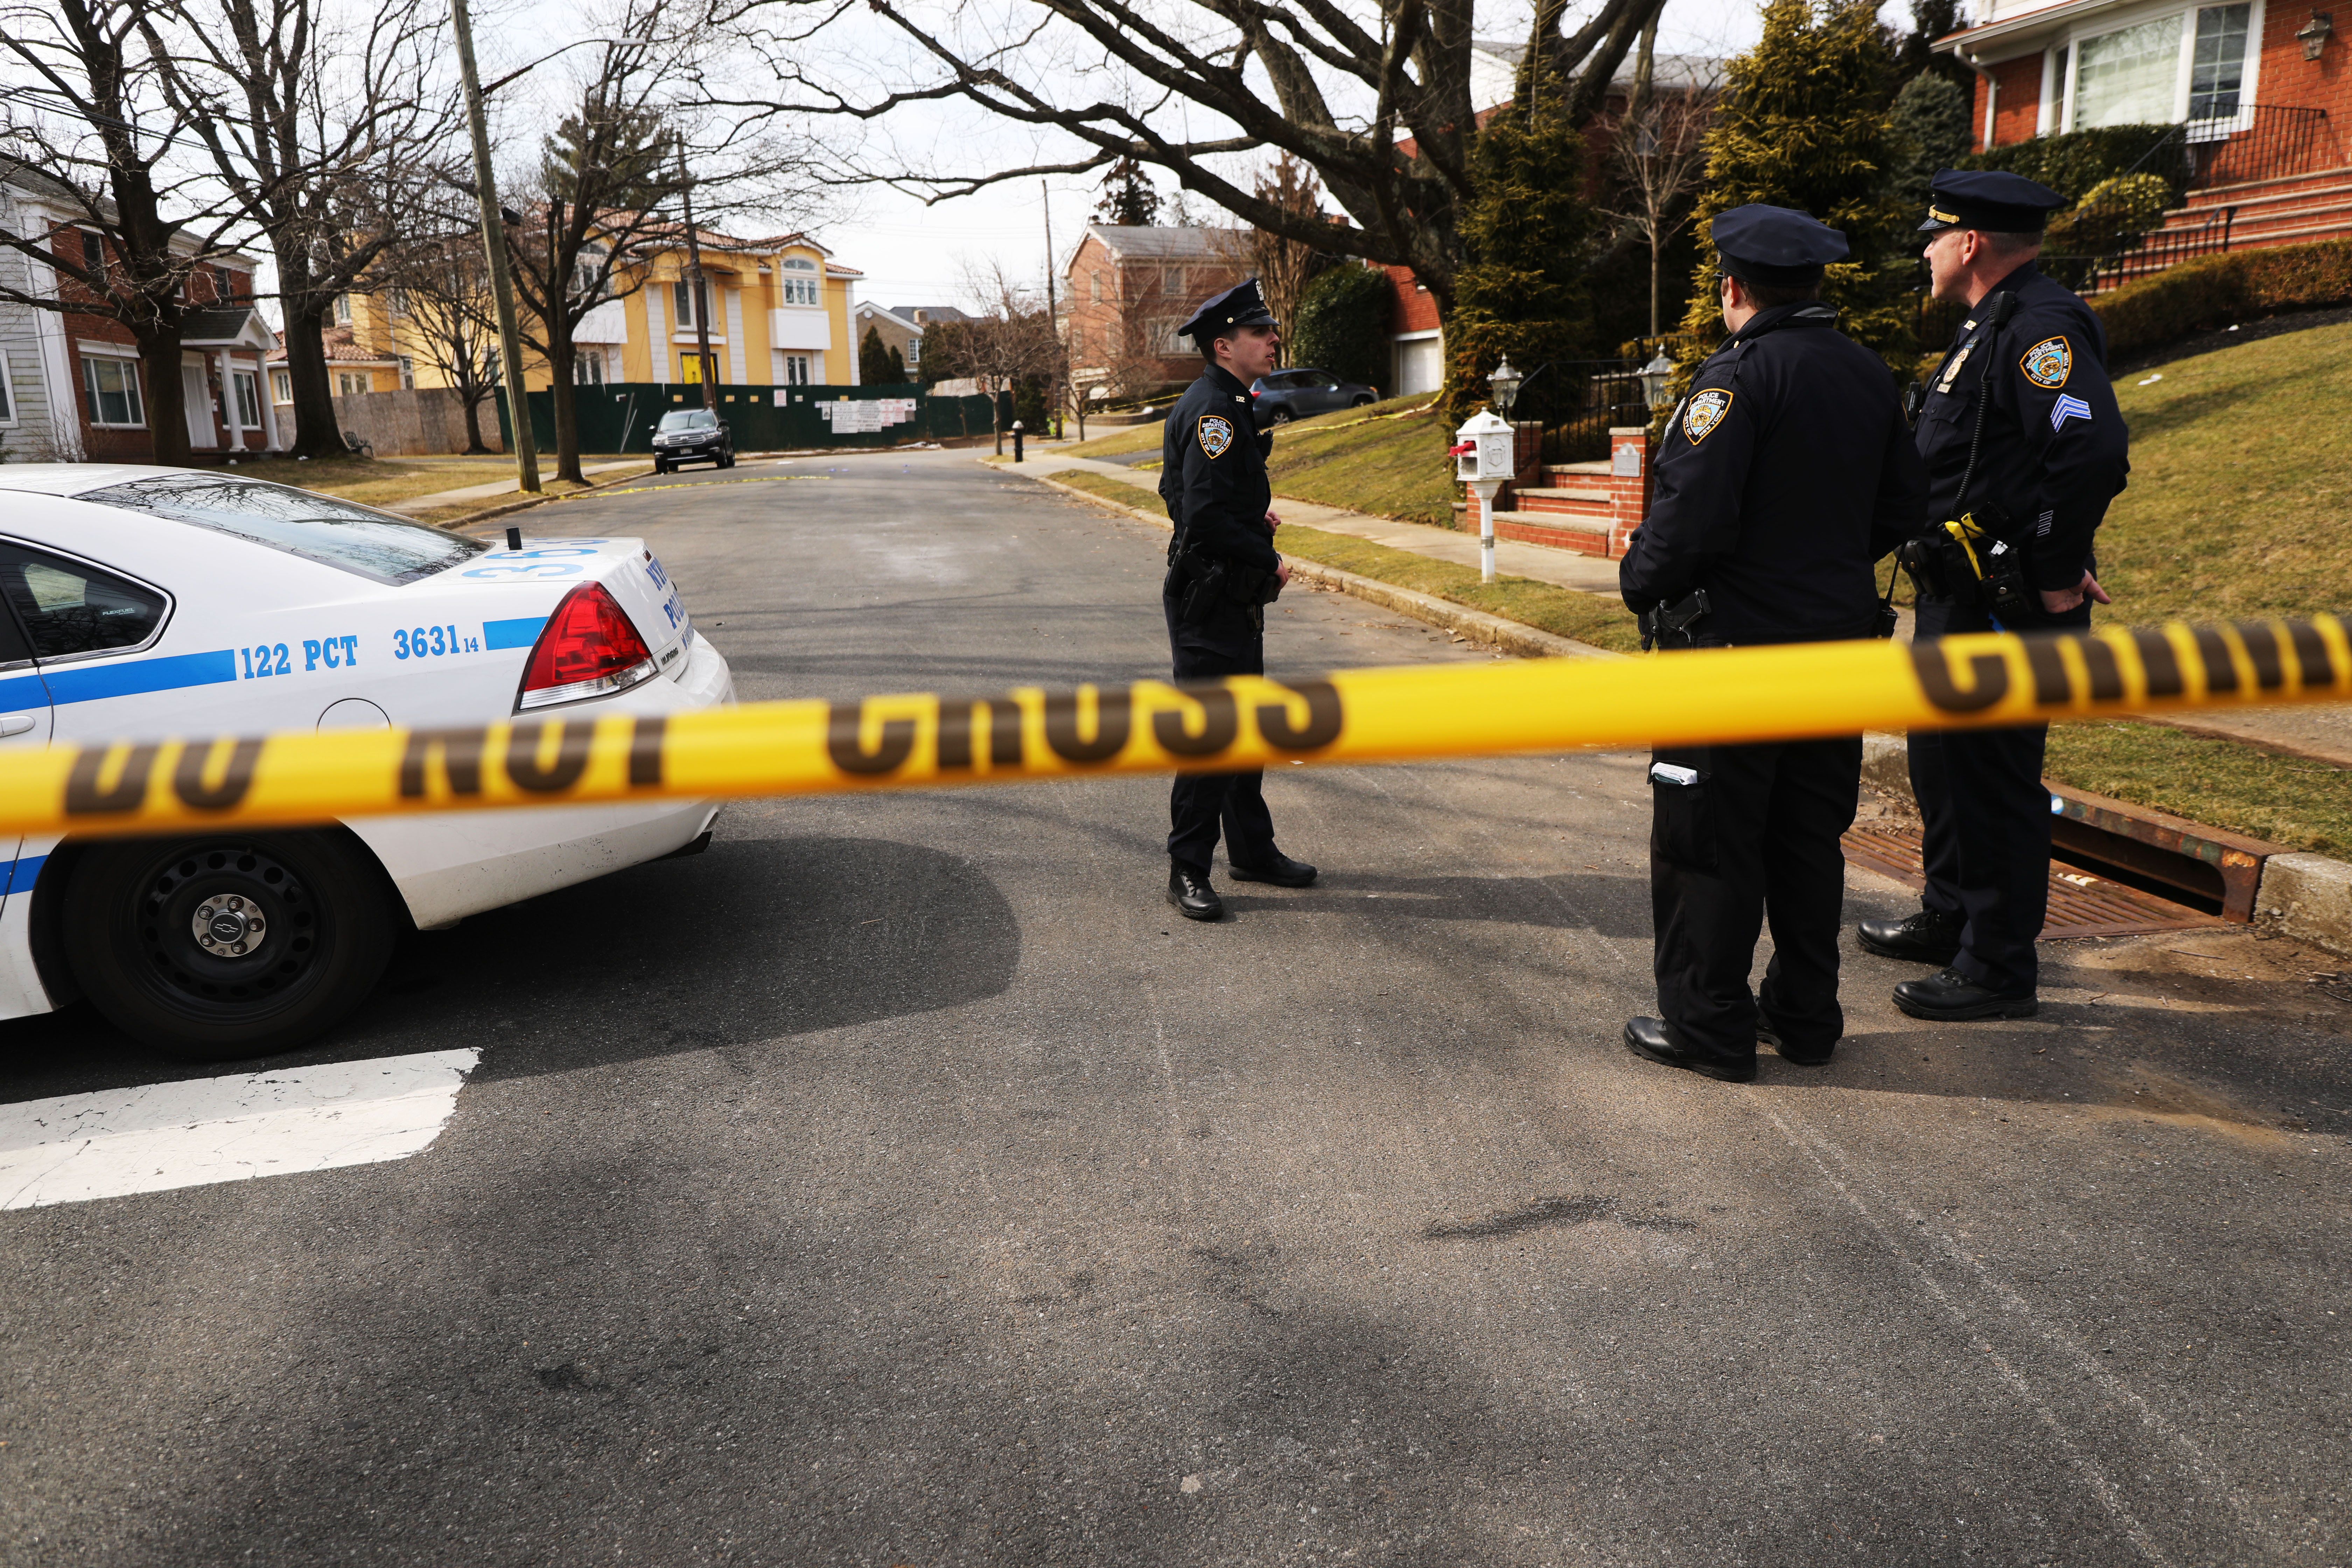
[(1504, 384), (1654, 376)]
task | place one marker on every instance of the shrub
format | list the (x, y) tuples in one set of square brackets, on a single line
[(2216, 290), (1343, 324), (2110, 215), (2070, 164)]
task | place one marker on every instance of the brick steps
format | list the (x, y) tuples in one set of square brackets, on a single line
[(2246, 192), (1550, 529)]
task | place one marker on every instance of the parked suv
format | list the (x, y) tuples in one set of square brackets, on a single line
[(692, 436), (1289, 395)]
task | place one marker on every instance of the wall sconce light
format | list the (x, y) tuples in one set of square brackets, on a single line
[(2316, 33)]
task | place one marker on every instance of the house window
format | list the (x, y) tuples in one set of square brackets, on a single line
[(1078, 340), (914, 353), (113, 388), (1094, 284), (281, 386), (350, 383), (7, 395), (342, 310), (397, 297), (803, 289), (248, 398), (588, 367), (796, 369), (2128, 76), (684, 299), (2218, 70), (1171, 282), (407, 373)]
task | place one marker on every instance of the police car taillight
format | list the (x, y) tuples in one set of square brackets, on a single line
[(588, 648)]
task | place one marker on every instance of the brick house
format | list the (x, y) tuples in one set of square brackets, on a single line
[(1127, 292), (2263, 88), (75, 387), (902, 327)]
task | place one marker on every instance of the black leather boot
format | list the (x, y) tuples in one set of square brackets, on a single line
[(1951, 997), (1282, 872), (1768, 1034), (1927, 937), (1646, 1038), (1193, 898)]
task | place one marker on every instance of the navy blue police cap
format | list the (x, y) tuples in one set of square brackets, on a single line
[(1776, 247), (1989, 199), (1239, 306)]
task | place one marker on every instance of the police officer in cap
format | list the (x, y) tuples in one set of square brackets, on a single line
[(1782, 476), (2024, 450), (1222, 571)]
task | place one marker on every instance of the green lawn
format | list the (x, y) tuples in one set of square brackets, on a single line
[(1586, 618), (1118, 442), (2241, 484)]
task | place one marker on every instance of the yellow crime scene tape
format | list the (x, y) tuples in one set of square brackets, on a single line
[(1723, 696)]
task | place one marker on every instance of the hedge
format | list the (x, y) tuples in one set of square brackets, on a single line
[(2217, 290), (2072, 163), (1343, 324)]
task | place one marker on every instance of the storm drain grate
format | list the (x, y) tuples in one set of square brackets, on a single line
[(2081, 904)]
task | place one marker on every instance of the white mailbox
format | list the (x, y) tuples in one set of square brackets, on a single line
[(1482, 448)]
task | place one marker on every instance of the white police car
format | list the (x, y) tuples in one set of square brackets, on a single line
[(146, 603)]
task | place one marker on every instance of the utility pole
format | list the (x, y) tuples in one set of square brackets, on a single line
[(494, 245), (696, 293), (1053, 309)]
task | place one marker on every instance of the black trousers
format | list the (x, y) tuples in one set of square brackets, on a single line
[(1986, 816), (1755, 838), (1202, 805)]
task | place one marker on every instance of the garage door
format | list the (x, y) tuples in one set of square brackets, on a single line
[(1420, 366)]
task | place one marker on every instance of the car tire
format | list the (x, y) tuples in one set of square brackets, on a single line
[(660, 466), (326, 930), (1361, 403), (728, 461), (1284, 417)]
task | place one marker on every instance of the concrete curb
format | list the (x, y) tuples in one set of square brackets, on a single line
[(2306, 897), (473, 517), (1478, 625)]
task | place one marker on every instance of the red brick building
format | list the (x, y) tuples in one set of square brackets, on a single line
[(1127, 292), (2263, 87)]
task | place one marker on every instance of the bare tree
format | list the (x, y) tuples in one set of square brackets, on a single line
[(1281, 264), (319, 121), (1009, 340), (447, 285), (1111, 76), (103, 143), (1658, 156)]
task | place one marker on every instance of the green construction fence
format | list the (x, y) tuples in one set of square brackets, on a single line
[(620, 416)]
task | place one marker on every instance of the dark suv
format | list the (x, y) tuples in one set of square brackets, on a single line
[(1289, 395), (692, 436)]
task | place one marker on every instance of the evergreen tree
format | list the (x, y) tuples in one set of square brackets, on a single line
[(1806, 125), (1930, 20), (879, 364), (1931, 132), (633, 156), (1523, 294), (1128, 199)]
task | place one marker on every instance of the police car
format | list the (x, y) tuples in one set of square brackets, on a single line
[(145, 603)]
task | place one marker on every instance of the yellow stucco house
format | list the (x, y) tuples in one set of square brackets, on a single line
[(779, 311)]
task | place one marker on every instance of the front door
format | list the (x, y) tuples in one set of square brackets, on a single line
[(200, 407)]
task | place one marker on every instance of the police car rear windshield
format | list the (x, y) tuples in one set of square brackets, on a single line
[(690, 419), (339, 533)]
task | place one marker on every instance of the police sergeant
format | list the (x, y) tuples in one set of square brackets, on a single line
[(1223, 571), (2024, 450), (1781, 477)]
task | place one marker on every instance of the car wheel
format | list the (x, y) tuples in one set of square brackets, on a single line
[(1361, 403), (228, 945), (660, 466), (726, 461), (1283, 416)]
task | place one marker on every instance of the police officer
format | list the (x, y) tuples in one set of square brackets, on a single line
[(1222, 571), (2024, 450), (1784, 474)]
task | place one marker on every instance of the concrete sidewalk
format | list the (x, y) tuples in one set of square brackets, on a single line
[(498, 488)]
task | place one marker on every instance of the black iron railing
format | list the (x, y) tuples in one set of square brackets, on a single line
[(1577, 402), (2277, 144)]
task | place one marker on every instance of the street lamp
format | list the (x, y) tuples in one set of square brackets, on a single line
[(1505, 385), (1654, 376)]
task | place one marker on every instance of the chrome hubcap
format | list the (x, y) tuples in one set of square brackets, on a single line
[(229, 925)]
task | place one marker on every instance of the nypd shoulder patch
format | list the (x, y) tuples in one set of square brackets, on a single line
[(2048, 363), (1705, 412), (1217, 434)]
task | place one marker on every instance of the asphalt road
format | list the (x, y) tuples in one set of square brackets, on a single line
[(901, 1183)]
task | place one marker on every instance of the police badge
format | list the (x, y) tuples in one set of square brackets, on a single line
[(1217, 434), (1705, 412), (2048, 363)]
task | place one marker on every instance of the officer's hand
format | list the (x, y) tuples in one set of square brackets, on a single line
[(1272, 522), (2058, 601), (1282, 570)]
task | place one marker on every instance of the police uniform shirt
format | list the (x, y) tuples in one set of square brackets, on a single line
[(1786, 472), (2054, 452), (1213, 473)]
